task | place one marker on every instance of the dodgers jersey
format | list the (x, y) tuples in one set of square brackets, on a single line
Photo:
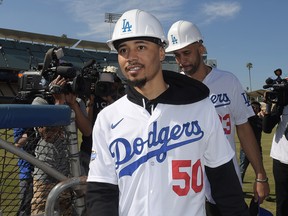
[(157, 160), (231, 103)]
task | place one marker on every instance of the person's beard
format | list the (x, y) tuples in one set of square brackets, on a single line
[(194, 67), (192, 71), (137, 83)]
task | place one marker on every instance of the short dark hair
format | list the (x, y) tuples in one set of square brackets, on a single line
[(256, 103), (151, 39)]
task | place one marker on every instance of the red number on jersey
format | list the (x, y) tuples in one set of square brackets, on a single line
[(177, 174), (226, 123)]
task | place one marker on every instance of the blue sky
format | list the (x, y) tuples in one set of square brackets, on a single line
[(235, 32)]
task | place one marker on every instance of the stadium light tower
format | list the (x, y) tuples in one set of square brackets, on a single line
[(111, 18)]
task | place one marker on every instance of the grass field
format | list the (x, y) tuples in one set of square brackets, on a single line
[(250, 176)]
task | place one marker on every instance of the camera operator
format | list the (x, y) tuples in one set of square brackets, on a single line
[(279, 150), (50, 148), (94, 105)]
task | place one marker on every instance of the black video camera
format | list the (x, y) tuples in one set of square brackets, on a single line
[(94, 80), (38, 80), (279, 89), (83, 82)]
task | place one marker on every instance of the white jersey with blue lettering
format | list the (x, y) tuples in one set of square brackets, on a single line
[(232, 106), (158, 161)]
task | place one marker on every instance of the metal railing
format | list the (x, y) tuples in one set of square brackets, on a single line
[(58, 182)]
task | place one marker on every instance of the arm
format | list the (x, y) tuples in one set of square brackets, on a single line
[(252, 151), (269, 122), (226, 190), (82, 121), (271, 119), (90, 108), (102, 199), (22, 140)]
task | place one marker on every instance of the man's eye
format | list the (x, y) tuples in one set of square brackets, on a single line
[(122, 50), (187, 53), (141, 47)]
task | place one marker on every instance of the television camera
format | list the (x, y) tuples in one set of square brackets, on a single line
[(91, 79), (279, 89)]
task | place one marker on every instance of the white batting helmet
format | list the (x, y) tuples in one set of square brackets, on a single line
[(181, 34), (137, 23)]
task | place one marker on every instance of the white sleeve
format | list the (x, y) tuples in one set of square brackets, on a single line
[(102, 165), (241, 106)]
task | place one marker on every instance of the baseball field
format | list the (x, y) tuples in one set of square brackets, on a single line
[(250, 176)]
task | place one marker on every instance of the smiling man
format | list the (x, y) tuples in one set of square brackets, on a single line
[(152, 147)]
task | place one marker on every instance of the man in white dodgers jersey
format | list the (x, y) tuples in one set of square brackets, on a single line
[(227, 95), (152, 147)]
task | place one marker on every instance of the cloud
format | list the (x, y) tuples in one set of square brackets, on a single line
[(91, 13), (217, 10)]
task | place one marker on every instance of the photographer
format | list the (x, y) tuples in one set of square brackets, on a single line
[(52, 147), (279, 150), (95, 104)]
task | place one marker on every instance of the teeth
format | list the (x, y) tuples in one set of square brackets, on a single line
[(134, 68)]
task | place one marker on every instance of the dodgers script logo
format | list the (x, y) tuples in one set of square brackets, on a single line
[(126, 26), (166, 139), (220, 100)]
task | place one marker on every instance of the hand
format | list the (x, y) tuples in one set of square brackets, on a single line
[(261, 191), (70, 100), (58, 82)]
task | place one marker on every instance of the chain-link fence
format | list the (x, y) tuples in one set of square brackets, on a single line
[(33, 160)]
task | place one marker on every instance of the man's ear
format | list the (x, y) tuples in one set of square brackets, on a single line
[(162, 54), (202, 49)]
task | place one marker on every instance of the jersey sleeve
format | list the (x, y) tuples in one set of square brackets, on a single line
[(241, 106), (102, 165)]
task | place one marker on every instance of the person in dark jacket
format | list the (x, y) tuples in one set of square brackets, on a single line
[(256, 124)]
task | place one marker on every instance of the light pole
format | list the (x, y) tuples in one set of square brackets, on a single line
[(249, 66), (111, 18)]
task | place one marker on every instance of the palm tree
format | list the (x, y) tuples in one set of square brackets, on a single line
[(249, 66)]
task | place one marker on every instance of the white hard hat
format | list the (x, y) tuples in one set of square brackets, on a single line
[(181, 34), (137, 23)]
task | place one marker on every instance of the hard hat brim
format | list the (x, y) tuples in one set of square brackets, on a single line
[(172, 48)]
